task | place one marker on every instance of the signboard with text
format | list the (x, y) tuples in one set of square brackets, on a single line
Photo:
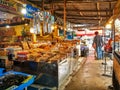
[(30, 11)]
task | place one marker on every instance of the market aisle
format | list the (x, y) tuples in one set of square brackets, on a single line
[(89, 77)]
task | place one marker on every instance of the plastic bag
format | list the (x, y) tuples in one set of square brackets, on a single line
[(94, 45)]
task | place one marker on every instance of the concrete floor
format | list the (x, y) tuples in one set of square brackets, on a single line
[(89, 76)]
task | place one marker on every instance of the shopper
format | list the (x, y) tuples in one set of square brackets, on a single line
[(108, 46), (97, 44)]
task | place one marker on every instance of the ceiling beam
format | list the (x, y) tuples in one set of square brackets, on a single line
[(74, 10), (81, 1), (70, 15), (83, 18), (84, 21), (96, 28), (110, 7)]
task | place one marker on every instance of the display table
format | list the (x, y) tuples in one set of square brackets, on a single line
[(116, 71), (57, 71), (56, 65)]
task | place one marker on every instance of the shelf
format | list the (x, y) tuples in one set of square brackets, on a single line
[(14, 24)]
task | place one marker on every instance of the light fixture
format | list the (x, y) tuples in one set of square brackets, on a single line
[(108, 26), (111, 21), (61, 28), (26, 24), (7, 26), (31, 30), (65, 29), (23, 11), (52, 27)]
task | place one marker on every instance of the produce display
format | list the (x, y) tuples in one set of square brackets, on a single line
[(39, 58), (45, 52)]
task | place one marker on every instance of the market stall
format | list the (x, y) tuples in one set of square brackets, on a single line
[(30, 45), (116, 62), (50, 60)]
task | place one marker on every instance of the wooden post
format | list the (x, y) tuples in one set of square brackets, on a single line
[(43, 18), (34, 38), (64, 18), (52, 8), (41, 29), (113, 31)]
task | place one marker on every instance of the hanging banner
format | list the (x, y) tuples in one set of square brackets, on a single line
[(46, 16), (30, 11), (51, 19)]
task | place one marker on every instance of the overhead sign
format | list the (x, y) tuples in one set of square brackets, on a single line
[(30, 11)]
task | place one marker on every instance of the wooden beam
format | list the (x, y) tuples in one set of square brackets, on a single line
[(35, 0), (88, 10), (110, 7), (64, 18), (79, 17), (83, 18), (43, 23), (83, 22), (81, 1), (52, 7), (70, 15), (94, 16), (98, 13)]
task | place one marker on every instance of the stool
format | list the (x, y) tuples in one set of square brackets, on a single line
[(108, 64)]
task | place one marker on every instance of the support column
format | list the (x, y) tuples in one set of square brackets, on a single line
[(34, 38), (43, 18), (65, 18), (41, 29)]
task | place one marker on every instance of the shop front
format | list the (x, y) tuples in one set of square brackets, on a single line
[(30, 46)]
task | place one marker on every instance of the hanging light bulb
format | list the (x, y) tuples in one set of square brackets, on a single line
[(108, 26), (31, 30), (7, 26), (23, 11)]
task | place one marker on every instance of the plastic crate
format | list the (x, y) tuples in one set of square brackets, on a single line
[(1, 71), (27, 82)]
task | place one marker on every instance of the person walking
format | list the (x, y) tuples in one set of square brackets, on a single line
[(97, 44)]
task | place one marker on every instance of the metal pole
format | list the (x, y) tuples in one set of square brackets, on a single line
[(113, 35)]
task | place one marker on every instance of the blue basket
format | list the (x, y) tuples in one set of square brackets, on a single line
[(27, 82), (1, 71)]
